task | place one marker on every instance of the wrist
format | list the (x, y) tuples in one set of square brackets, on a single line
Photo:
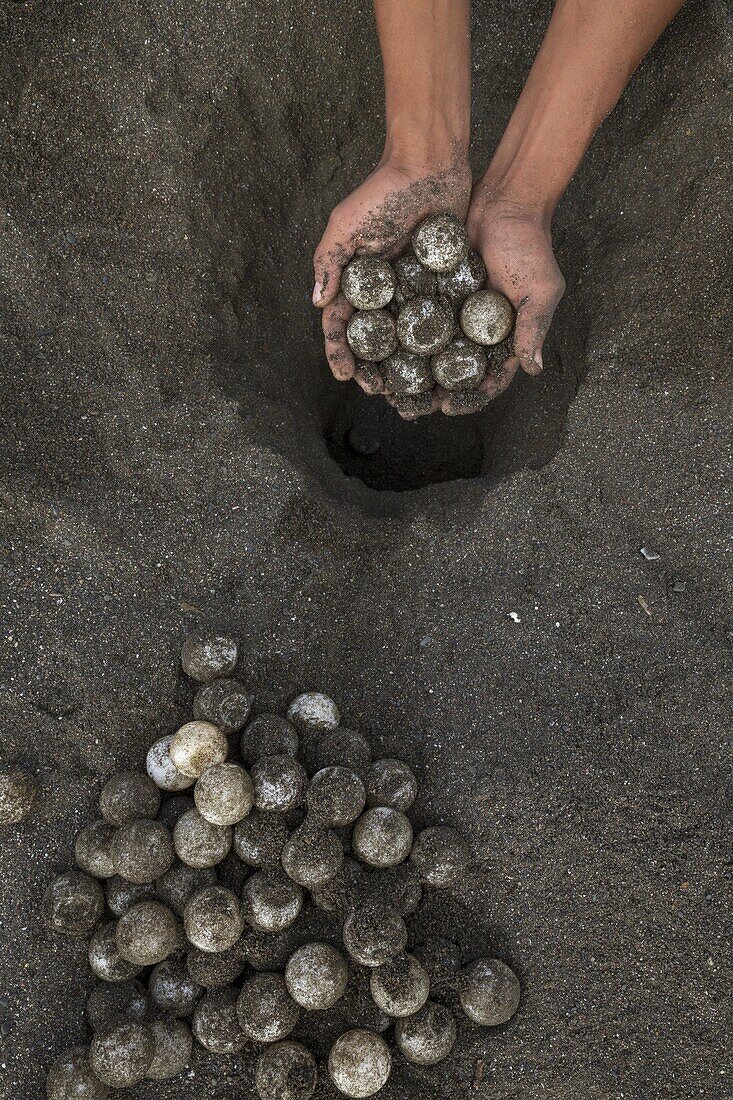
[(434, 147), (518, 188)]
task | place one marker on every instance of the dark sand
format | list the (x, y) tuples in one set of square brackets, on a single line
[(168, 432)]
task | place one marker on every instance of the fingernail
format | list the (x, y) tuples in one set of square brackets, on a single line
[(317, 293), (537, 356)]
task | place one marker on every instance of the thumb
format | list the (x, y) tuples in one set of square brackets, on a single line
[(332, 255), (534, 317)]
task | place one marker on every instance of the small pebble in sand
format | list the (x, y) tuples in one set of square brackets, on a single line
[(359, 1063), (391, 782), (218, 970), (280, 783), (440, 856), (271, 901), (204, 657), (372, 334), (107, 1002), (18, 792), (345, 748), (286, 1071), (407, 373), (176, 886), (104, 956), (397, 886), (142, 851), (260, 838), (198, 843), (268, 735), (148, 933), (312, 855), (73, 904), (174, 808), (440, 242), (225, 703), (336, 796), (382, 837), (127, 796), (427, 1037), (172, 989), (122, 1053), (425, 325), (460, 366), (401, 987), (316, 976), (368, 282), (173, 1049), (93, 849), (313, 710), (265, 1008), (162, 770), (216, 1024), (414, 280), (224, 794), (374, 933), (487, 317), (489, 992), (196, 747), (213, 919), (71, 1077), (467, 278)]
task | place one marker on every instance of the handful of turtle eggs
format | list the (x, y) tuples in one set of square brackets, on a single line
[(200, 907)]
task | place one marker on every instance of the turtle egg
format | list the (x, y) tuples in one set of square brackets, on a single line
[(196, 747), (224, 702), (142, 851), (391, 783), (271, 902), (18, 791), (71, 1077), (265, 1008), (204, 657), (407, 373), (173, 1047), (106, 1003), (224, 794), (286, 1071), (212, 971), (382, 836), (346, 748), (104, 956), (213, 919), (359, 1063), (460, 366), (414, 280), (401, 987), (489, 992), (259, 839), (312, 855), (215, 1022), (73, 904), (374, 933), (425, 326), (467, 278), (176, 886), (368, 282), (147, 933), (93, 849), (121, 1054), (487, 317), (174, 808), (411, 407), (336, 796), (127, 796), (314, 711), (397, 886), (440, 856), (371, 334), (162, 770), (427, 1037), (280, 783), (344, 891), (268, 735), (199, 843), (316, 976), (172, 989), (440, 242)]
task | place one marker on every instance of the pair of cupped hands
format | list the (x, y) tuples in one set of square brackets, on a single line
[(512, 237)]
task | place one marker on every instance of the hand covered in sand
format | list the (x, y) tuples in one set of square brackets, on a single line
[(377, 219)]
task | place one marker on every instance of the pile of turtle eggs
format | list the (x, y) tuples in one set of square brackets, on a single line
[(197, 881), (427, 318)]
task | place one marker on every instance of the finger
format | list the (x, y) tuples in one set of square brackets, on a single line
[(332, 255), (498, 380), (339, 355), (534, 317), (369, 378), (462, 404), (414, 408)]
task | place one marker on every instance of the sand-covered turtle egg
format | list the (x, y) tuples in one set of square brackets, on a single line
[(93, 849), (104, 955), (174, 808), (396, 886), (172, 989), (374, 933), (142, 851), (148, 933), (268, 735), (121, 1054), (108, 1002), (487, 317), (428, 1036), (407, 373), (225, 703), (73, 904), (372, 334), (271, 901), (312, 855), (460, 366), (440, 242), (344, 748), (359, 1063), (259, 839), (468, 277), (410, 407), (162, 770), (440, 855), (173, 1047), (204, 657), (224, 794), (441, 958), (71, 1077), (213, 919), (198, 843), (314, 710), (425, 325), (181, 882), (286, 1071), (196, 747), (414, 280), (368, 282), (316, 976), (127, 796), (336, 796), (213, 971), (280, 783), (216, 1024), (344, 892), (265, 1008), (382, 836), (391, 782), (18, 792), (489, 992), (401, 987)]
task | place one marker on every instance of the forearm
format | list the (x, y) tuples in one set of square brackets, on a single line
[(426, 49), (589, 53)]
